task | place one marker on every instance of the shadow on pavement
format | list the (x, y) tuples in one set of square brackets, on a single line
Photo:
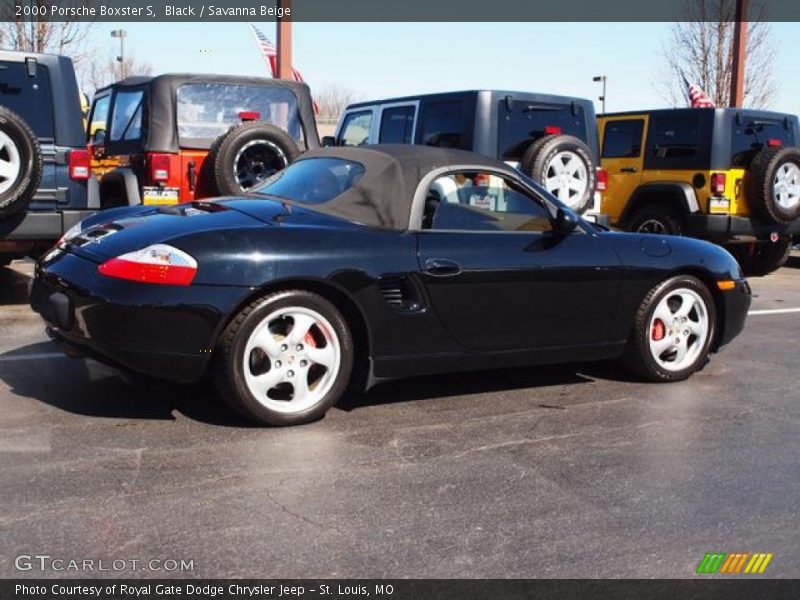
[(13, 287), (85, 387)]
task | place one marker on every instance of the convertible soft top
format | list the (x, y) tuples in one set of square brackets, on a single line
[(159, 122), (384, 195)]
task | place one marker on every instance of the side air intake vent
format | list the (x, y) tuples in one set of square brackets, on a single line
[(398, 292)]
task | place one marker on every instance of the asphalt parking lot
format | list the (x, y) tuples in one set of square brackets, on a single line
[(575, 471)]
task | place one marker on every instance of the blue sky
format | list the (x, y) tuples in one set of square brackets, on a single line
[(388, 59)]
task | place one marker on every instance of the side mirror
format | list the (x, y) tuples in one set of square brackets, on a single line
[(328, 141), (99, 136), (566, 221)]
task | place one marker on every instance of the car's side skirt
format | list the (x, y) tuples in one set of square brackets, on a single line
[(427, 364)]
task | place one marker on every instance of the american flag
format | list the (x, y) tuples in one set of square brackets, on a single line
[(268, 51), (697, 97)]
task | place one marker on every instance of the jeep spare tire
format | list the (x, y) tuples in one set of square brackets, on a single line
[(20, 163), (772, 184), (246, 155), (563, 165)]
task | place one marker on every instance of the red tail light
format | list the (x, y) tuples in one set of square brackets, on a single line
[(80, 166), (159, 263), (552, 130), (601, 181), (718, 183), (774, 143), (159, 167)]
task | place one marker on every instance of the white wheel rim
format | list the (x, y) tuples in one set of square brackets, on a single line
[(678, 330), (291, 360), (567, 178), (252, 170), (786, 187), (10, 163)]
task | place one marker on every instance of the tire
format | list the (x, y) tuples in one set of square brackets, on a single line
[(252, 347), (20, 163), (544, 160), (652, 351), (653, 218), (761, 258), (771, 184), (265, 148)]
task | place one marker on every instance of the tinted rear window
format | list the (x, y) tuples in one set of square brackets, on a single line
[(313, 181), (442, 124), (207, 110), (751, 135), (530, 120), (29, 97), (623, 139), (397, 123), (679, 140)]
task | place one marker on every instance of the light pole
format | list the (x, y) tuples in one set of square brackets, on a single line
[(121, 34), (598, 79)]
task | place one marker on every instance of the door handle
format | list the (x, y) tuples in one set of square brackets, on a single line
[(442, 267), (629, 170)]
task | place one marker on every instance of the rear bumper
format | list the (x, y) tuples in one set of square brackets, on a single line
[(160, 331), (45, 226), (726, 227)]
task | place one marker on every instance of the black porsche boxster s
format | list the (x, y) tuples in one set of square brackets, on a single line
[(411, 259)]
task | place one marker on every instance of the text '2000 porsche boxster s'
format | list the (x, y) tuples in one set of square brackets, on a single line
[(404, 259)]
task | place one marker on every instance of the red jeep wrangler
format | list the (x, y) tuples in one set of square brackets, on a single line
[(177, 138)]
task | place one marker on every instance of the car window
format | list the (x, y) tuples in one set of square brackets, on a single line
[(521, 121), (313, 181), (750, 136), (442, 124), (207, 110), (355, 129), (98, 118), (623, 139), (29, 97), (397, 123), (477, 201), (679, 139), (126, 120)]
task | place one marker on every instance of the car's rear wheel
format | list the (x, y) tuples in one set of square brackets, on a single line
[(761, 258), (285, 359), (673, 330), (20, 163), (662, 220), (247, 155), (563, 165)]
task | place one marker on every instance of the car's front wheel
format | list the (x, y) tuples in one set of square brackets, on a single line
[(285, 359), (673, 330)]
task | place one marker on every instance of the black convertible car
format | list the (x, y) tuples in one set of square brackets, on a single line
[(404, 259)]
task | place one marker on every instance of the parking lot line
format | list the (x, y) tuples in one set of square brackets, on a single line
[(774, 311)]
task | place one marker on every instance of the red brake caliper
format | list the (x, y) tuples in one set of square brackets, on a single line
[(309, 340), (659, 331)]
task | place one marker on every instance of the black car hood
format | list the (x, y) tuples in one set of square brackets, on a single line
[(118, 231)]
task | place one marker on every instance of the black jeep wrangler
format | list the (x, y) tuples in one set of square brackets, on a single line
[(45, 175), (551, 138)]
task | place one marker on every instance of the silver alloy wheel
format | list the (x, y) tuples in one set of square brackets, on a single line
[(679, 329), (653, 226), (786, 186), (10, 163), (566, 178), (256, 161), (292, 359)]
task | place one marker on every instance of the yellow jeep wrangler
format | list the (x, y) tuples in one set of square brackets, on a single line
[(730, 176)]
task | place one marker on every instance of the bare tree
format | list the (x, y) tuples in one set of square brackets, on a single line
[(57, 37), (700, 48), (332, 100), (104, 70)]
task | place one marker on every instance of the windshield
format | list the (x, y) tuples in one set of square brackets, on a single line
[(313, 181), (207, 110)]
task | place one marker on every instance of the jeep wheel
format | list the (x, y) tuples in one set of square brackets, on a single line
[(761, 258), (772, 184), (656, 219), (20, 163), (247, 155), (563, 165)]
